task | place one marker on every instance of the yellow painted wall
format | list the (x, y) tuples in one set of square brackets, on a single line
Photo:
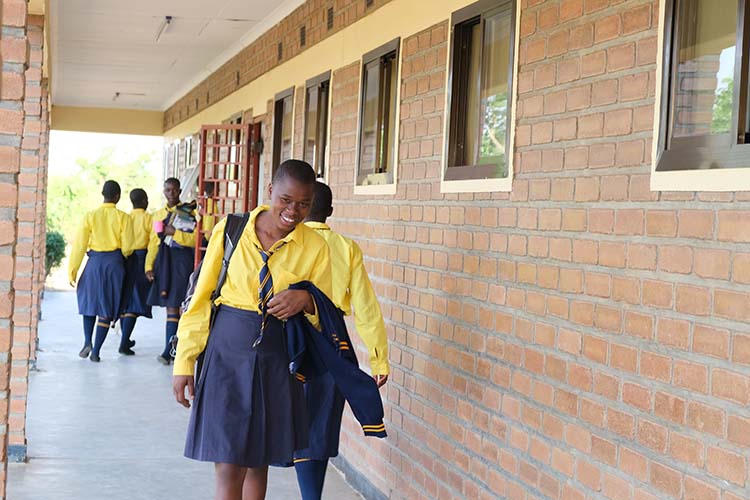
[(107, 120), (399, 18)]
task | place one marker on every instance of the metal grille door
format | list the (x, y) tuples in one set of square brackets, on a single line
[(228, 175)]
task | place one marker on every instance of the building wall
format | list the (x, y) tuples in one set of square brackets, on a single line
[(22, 145), (580, 336)]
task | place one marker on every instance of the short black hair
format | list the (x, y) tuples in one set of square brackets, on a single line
[(139, 198), (111, 190), (173, 180), (322, 203), (299, 170)]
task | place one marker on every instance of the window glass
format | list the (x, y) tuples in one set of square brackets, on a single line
[(705, 68)]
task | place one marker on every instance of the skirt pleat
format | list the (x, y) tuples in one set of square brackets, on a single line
[(248, 409), (135, 291), (181, 264), (99, 289)]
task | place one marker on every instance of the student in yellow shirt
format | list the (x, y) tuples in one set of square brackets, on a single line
[(351, 290), (248, 410), (170, 259), (135, 300), (106, 236)]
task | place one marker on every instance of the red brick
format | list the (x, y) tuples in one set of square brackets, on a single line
[(652, 436), (691, 376), (666, 479), (734, 226), (727, 465), (636, 19), (698, 490), (711, 341), (657, 294), (696, 224), (730, 385), (741, 268), (732, 305), (738, 430), (693, 300), (676, 259), (686, 449), (706, 419)]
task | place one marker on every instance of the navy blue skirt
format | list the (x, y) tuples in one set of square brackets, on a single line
[(137, 286), (99, 289), (181, 263), (248, 409)]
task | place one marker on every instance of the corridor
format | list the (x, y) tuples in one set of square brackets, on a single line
[(112, 430)]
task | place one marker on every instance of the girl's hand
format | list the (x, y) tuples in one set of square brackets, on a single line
[(286, 304), (179, 383), (169, 230)]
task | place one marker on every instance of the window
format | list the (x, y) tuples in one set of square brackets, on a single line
[(376, 157), (480, 93), (316, 122), (282, 127), (703, 121)]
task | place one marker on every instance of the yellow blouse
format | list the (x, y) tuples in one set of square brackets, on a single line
[(142, 228), (304, 257), (103, 230), (352, 288)]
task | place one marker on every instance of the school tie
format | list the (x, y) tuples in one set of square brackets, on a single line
[(265, 291)]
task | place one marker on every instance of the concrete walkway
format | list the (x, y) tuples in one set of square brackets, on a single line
[(112, 430)]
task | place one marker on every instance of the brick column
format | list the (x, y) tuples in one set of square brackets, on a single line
[(29, 250), (13, 50)]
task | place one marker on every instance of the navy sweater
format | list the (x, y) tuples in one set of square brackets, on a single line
[(313, 353)]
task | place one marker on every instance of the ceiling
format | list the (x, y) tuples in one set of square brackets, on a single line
[(106, 47)]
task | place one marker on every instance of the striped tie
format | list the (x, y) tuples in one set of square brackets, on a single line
[(265, 291)]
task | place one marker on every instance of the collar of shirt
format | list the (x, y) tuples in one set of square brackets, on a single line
[(138, 210), (107, 204), (297, 235), (318, 225)]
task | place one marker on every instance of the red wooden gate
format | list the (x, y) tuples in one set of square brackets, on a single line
[(228, 174)]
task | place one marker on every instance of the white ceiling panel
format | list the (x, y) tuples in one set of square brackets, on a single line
[(104, 47)]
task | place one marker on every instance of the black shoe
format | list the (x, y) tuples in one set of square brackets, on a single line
[(127, 351), (85, 351), (165, 360), (131, 343), (95, 358)]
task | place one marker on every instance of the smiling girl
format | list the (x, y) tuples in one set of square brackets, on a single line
[(248, 410)]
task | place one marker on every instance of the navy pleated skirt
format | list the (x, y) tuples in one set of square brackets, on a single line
[(137, 286), (99, 289), (325, 405), (181, 263), (248, 409)]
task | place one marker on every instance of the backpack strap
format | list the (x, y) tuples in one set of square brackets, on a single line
[(232, 232)]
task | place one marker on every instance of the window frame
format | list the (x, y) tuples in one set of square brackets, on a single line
[(369, 57), (321, 156), (734, 175), (278, 127), (480, 9)]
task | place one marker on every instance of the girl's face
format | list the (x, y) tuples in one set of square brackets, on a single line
[(172, 193), (291, 201)]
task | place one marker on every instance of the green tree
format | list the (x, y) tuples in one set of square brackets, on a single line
[(69, 197), (721, 122)]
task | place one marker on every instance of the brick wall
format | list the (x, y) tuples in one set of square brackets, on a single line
[(30, 245), (579, 337), (13, 51)]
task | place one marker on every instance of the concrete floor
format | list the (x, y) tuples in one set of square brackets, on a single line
[(113, 430)]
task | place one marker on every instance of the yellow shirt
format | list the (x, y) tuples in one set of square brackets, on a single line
[(103, 230), (303, 257), (352, 287), (142, 228), (183, 238)]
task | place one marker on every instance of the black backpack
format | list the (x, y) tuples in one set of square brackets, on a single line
[(233, 229)]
